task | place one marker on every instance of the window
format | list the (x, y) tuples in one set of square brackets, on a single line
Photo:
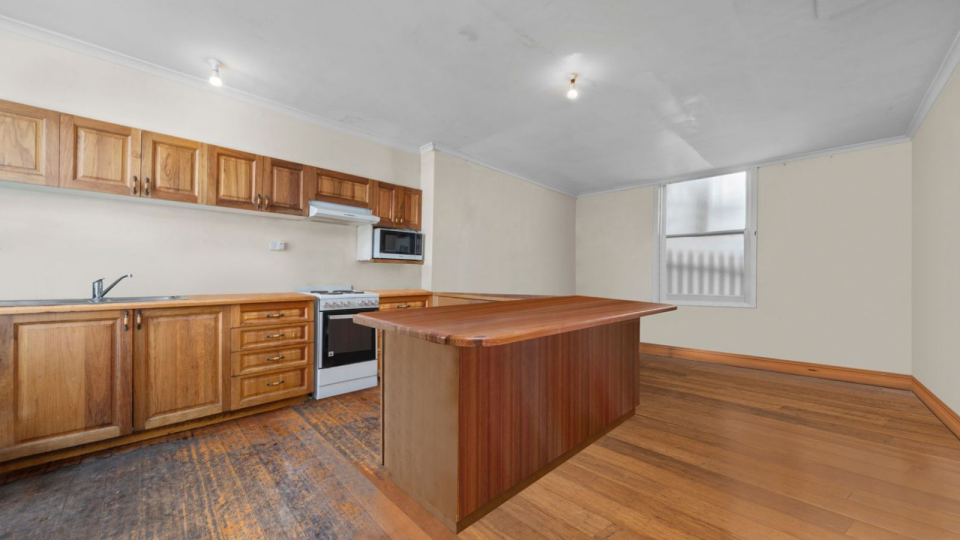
[(707, 241)]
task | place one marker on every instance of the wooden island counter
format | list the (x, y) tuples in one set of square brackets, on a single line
[(481, 400)]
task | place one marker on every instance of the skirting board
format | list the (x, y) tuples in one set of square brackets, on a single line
[(884, 379)]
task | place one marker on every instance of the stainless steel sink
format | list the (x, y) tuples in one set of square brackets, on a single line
[(79, 301)]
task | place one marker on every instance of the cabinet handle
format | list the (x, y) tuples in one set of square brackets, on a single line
[(274, 315), (281, 381), (401, 306), (258, 201), (126, 321), (134, 184), (266, 205), (271, 336), (275, 358), (146, 186), (139, 319)]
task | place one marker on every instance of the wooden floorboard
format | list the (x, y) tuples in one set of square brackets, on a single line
[(715, 452)]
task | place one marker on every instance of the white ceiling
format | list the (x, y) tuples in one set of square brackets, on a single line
[(668, 88)]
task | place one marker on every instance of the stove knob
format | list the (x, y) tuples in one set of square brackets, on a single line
[(347, 303), (363, 302), (338, 304), (326, 304)]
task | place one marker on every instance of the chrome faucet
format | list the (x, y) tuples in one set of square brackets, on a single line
[(99, 292)]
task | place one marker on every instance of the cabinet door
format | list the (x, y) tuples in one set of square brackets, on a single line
[(179, 358), (234, 179), (173, 168), (285, 187), (65, 380), (388, 204), (342, 188), (412, 200), (97, 156), (29, 144)]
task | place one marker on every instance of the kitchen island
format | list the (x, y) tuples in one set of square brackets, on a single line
[(480, 400)]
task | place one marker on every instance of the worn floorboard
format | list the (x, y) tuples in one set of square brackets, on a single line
[(714, 452)]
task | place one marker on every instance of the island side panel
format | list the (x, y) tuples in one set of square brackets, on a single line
[(527, 406), (419, 411)]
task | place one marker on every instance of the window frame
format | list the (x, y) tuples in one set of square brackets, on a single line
[(749, 247)]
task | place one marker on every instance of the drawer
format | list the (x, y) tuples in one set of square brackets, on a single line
[(271, 314), (260, 360), (250, 390), (263, 337), (404, 305)]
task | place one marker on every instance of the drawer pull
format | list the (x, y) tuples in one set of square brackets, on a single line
[(275, 358), (281, 381), (271, 336), (401, 306), (274, 315)]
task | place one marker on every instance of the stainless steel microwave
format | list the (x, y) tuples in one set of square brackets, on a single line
[(400, 244)]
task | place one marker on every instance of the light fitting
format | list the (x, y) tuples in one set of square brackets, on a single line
[(215, 73), (572, 93)]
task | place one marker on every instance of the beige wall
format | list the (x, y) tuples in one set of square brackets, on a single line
[(833, 264), (936, 248), (495, 233), (55, 245)]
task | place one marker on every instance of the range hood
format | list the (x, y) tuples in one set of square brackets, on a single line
[(341, 213)]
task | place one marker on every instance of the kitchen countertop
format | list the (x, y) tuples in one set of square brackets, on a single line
[(396, 293), (190, 301), (499, 323)]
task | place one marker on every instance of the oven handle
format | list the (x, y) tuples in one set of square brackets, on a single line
[(340, 317)]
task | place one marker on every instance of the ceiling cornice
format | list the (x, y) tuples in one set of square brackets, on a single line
[(940, 80), (756, 164), (435, 147), (95, 51)]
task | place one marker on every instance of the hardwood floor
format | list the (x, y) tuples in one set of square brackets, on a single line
[(714, 452)]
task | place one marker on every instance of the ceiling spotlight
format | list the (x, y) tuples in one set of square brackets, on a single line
[(215, 73), (572, 93)]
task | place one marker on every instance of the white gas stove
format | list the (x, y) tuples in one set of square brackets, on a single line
[(346, 353)]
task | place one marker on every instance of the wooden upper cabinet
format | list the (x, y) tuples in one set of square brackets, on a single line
[(29, 144), (98, 156), (173, 168), (342, 188), (285, 186), (387, 204), (65, 380), (410, 208), (179, 359), (234, 178)]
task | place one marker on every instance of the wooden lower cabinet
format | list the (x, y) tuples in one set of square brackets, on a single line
[(179, 359), (269, 386), (65, 380)]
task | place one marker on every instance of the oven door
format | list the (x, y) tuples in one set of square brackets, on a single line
[(397, 244), (344, 342)]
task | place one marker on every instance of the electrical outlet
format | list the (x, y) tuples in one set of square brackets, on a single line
[(277, 245)]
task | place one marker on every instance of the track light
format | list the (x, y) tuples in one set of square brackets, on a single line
[(572, 93), (215, 73)]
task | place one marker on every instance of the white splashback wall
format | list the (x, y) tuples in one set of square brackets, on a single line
[(53, 245)]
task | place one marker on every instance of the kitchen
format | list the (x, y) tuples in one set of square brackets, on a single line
[(203, 283)]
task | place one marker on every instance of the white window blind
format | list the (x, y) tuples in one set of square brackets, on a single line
[(707, 238)]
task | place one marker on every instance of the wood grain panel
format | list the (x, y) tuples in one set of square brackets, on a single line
[(234, 178), (65, 379), (285, 186), (259, 388), (420, 422), (29, 144), (245, 363), (180, 356), (526, 404), (386, 204), (410, 208), (500, 323), (174, 169), (272, 313), (97, 156), (342, 188), (271, 336)]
